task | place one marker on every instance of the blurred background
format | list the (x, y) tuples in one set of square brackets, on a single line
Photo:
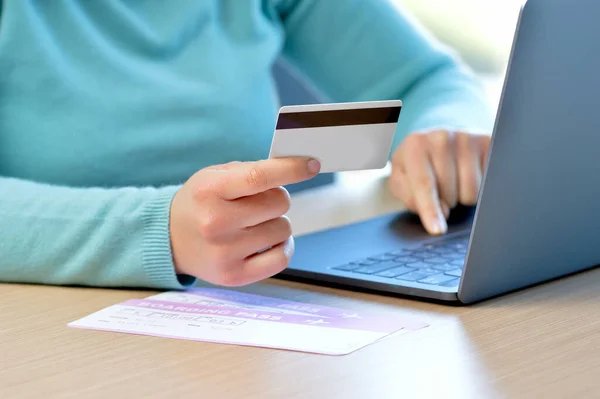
[(480, 31)]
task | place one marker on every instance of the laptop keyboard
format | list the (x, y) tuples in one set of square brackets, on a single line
[(434, 263)]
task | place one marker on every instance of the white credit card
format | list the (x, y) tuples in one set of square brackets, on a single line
[(343, 137)]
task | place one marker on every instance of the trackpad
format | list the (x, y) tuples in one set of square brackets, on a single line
[(407, 226)]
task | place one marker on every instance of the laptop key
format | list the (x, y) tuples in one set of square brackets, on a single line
[(368, 262), (444, 268), (417, 275), (418, 264), (382, 257), (436, 279), (423, 254), (372, 269), (456, 243), (395, 272), (443, 251), (400, 252), (407, 259), (436, 261), (427, 255), (453, 256), (455, 272), (457, 262), (459, 245), (452, 283), (348, 267)]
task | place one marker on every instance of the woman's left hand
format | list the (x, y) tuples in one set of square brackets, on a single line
[(432, 172)]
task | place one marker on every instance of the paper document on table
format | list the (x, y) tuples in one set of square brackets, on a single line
[(230, 317)]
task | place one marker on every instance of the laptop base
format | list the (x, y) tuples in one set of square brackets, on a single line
[(333, 256)]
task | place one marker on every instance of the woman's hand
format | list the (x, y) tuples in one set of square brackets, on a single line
[(227, 222), (433, 172)]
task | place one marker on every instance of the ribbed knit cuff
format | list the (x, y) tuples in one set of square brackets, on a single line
[(157, 257)]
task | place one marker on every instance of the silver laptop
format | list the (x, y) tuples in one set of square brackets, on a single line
[(538, 214)]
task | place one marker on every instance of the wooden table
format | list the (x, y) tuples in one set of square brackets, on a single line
[(539, 343)]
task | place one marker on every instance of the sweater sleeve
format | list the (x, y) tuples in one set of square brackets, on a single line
[(86, 236), (356, 50)]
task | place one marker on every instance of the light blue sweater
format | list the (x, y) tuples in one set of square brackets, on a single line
[(106, 107)]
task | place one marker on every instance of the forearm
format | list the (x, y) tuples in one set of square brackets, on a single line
[(446, 97), (86, 236)]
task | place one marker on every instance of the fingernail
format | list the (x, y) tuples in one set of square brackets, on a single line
[(314, 166), (445, 210), (439, 225)]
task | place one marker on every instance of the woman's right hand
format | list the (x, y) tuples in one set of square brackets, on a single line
[(227, 222)]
